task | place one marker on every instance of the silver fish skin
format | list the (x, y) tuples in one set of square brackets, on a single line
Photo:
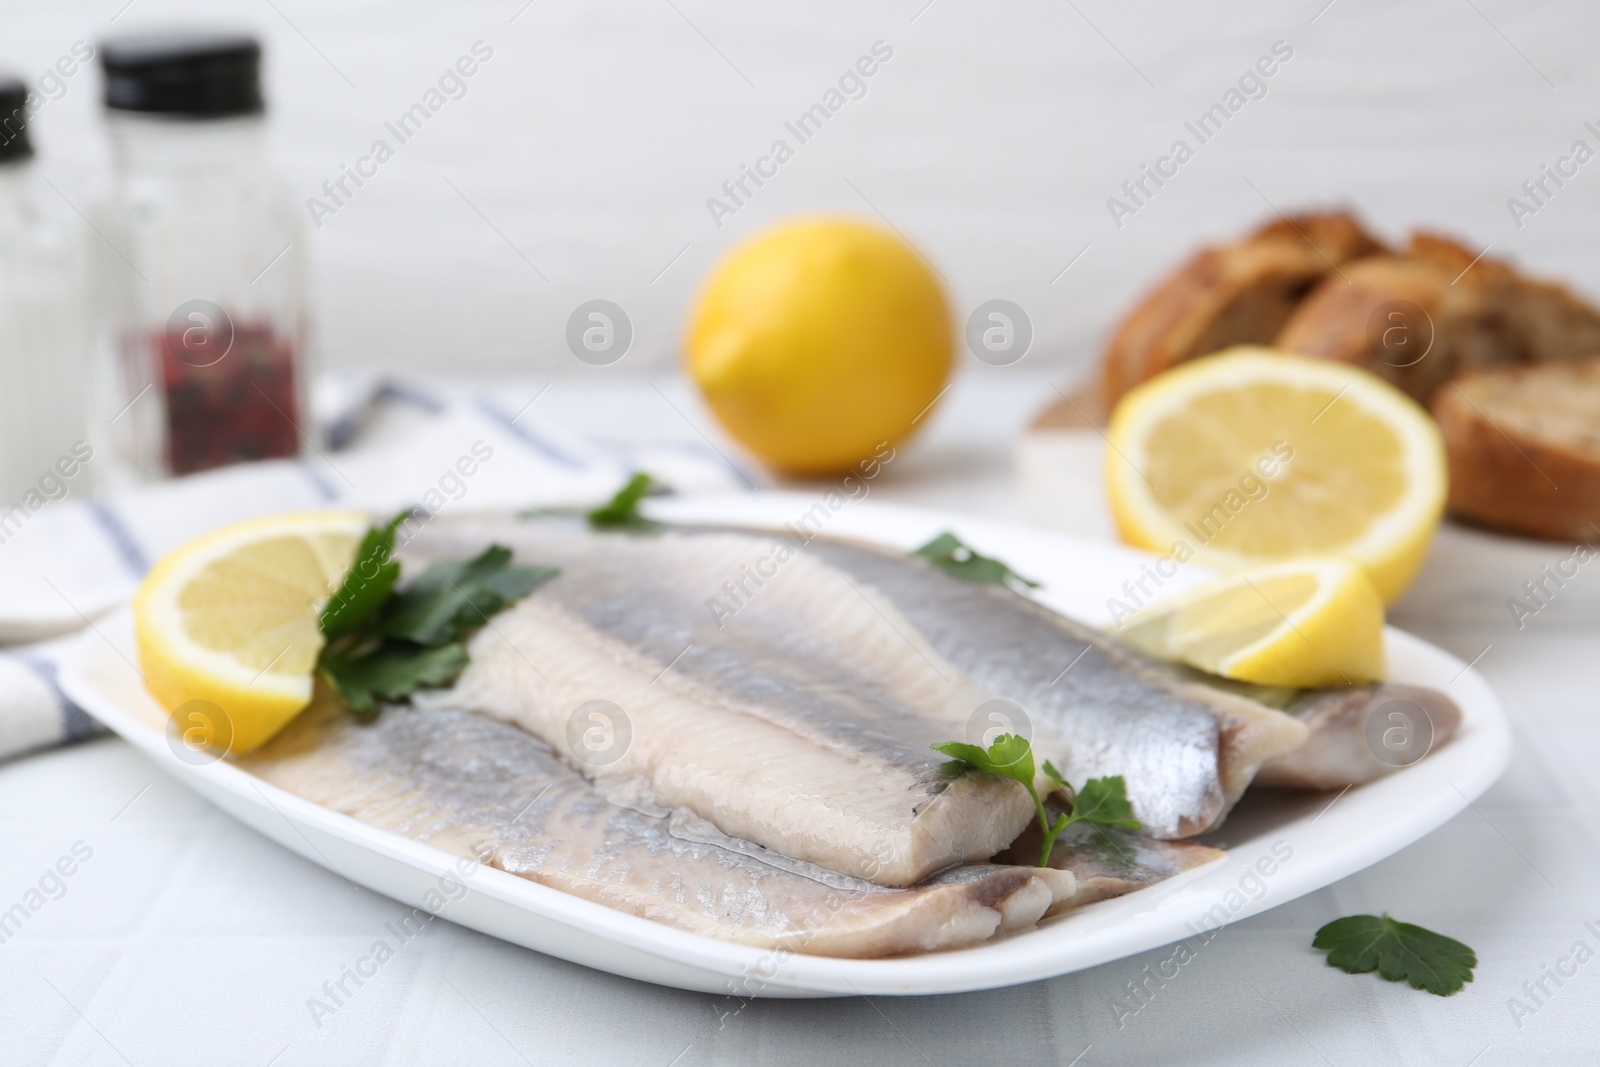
[(1109, 861), (1340, 750), (473, 786), (1185, 751), (803, 723)]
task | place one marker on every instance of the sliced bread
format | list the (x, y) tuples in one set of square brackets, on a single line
[(1237, 293), (1523, 445), (1416, 320), (1440, 310)]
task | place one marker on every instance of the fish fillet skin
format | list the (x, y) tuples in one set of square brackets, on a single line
[(1186, 751), (1339, 752), (1109, 861), (802, 723), (477, 787)]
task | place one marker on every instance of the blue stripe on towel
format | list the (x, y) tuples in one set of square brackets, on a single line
[(324, 489), (120, 538), (529, 438), (76, 724), (634, 451), (406, 394)]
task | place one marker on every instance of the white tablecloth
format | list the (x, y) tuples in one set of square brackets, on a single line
[(181, 937)]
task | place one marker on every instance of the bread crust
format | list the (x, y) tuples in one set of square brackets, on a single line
[(1237, 293), (1557, 325), (1415, 320), (1515, 465)]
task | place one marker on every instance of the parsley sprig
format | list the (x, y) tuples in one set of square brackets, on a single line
[(1400, 952), (950, 555), (385, 642), (1101, 801), (621, 512)]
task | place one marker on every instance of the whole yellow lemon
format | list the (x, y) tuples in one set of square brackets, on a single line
[(817, 341)]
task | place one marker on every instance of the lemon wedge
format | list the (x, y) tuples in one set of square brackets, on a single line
[(230, 619), (1302, 623), (1255, 454)]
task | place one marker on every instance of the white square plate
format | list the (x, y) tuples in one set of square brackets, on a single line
[(1304, 842)]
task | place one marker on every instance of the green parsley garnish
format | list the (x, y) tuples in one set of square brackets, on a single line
[(1101, 801), (954, 558), (452, 596), (367, 584), (389, 670), (621, 512), (1400, 952), (385, 644)]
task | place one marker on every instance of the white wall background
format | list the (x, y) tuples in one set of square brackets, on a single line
[(992, 139)]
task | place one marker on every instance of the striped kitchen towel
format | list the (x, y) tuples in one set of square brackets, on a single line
[(447, 450), (34, 713)]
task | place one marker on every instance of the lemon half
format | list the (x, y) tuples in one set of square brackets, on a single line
[(231, 619), (1254, 454)]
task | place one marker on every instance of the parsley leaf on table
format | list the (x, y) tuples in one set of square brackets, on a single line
[(950, 555), (1101, 801), (384, 644), (1398, 951)]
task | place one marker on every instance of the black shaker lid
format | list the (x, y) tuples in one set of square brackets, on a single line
[(197, 75), (14, 143)]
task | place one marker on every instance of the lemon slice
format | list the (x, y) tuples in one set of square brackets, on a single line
[(1301, 623), (231, 620), (1255, 454)]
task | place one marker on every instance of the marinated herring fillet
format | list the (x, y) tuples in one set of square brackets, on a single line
[(473, 786), (803, 724), (1107, 861), (1343, 747), (1186, 751), (1336, 752)]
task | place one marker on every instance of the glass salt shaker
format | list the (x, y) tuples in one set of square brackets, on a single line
[(44, 334), (203, 263)]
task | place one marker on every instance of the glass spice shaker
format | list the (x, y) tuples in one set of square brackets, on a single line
[(44, 335), (203, 263)]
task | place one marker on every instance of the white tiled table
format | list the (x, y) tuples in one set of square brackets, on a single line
[(185, 938)]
